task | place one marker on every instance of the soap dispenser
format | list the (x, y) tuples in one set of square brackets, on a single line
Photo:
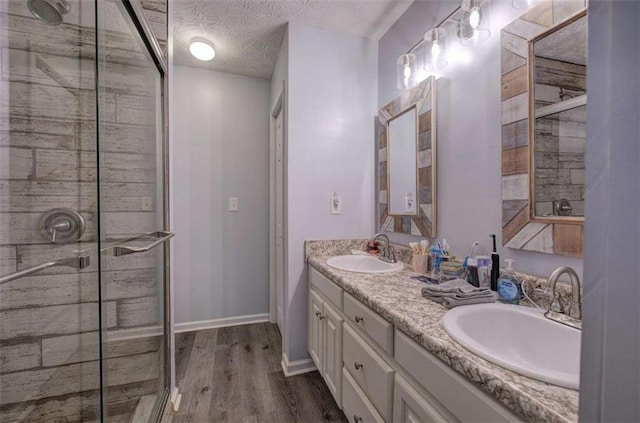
[(509, 287)]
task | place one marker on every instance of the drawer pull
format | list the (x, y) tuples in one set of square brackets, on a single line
[(318, 313), (321, 317), (357, 365), (359, 319), (357, 419)]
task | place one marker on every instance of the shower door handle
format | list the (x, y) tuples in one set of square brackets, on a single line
[(162, 237), (79, 262)]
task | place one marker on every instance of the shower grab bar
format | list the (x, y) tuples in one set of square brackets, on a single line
[(123, 250), (79, 262)]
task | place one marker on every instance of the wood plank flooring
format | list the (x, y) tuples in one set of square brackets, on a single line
[(234, 375)]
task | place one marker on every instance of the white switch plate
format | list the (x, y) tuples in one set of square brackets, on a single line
[(335, 204), (233, 204)]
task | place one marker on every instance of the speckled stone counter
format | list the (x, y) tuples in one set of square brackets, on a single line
[(397, 298)]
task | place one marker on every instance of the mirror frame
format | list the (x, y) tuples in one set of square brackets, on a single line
[(413, 108), (521, 229), (418, 224)]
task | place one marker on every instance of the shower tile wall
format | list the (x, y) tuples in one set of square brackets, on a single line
[(560, 138), (49, 346)]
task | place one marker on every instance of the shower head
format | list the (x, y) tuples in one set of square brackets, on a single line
[(49, 11)]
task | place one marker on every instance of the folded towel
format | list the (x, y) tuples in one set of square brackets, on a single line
[(451, 302), (458, 292), (455, 286)]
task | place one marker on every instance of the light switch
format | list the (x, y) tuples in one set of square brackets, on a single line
[(233, 204), (336, 204)]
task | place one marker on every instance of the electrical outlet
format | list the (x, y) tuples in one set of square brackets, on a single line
[(335, 204), (233, 204)]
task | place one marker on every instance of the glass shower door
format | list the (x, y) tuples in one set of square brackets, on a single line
[(49, 278), (133, 240)]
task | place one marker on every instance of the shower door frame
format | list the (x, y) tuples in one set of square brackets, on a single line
[(136, 14)]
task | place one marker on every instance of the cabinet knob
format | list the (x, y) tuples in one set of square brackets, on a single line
[(357, 419), (317, 313), (359, 319), (321, 317), (357, 365)]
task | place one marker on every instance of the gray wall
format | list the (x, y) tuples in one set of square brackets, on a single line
[(469, 134), (331, 99), (610, 377), (221, 150)]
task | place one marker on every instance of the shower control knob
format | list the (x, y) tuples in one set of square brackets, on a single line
[(62, 225)]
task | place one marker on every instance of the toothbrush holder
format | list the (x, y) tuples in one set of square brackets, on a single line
[(420, 263)]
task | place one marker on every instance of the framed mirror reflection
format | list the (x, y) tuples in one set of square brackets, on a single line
[(406, 172), (543, 92)]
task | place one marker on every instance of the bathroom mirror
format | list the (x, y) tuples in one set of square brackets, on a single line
[(543, 67), (402, 163), (406, 172), (559, 117)]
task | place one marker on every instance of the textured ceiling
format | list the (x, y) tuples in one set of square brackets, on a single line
[(247, 33)]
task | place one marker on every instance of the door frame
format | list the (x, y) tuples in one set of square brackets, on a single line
[(279, 107), (136, 14)]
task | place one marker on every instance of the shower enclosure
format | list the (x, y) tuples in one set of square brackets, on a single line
[(83, 221)]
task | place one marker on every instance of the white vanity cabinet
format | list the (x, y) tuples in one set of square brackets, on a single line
[(325, 332), (378, 374)]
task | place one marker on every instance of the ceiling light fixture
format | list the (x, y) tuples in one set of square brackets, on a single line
[(521, 4), (202, 49)]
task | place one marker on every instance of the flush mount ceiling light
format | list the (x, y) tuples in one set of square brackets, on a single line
[(202, 49)]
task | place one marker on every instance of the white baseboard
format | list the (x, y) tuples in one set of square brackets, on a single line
[(221, 323), (298, 367)]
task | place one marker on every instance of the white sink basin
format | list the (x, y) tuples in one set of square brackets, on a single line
[(520, 339), (363, 264)]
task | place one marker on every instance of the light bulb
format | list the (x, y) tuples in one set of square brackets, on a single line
[(407, 71), (202, 50), (435, 51), (474, 17)]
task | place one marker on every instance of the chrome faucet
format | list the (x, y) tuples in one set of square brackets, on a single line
[(556, 312), (387, 255)]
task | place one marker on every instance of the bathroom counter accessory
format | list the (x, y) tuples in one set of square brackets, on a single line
[(397, 298)]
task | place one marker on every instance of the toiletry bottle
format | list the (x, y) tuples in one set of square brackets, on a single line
[(509, 287), (495, 264), (472, 272)]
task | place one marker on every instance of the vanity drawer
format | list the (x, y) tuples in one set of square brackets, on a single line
[(368, 320), (372, 373), (323, 285), (460, 396), (355, 404)]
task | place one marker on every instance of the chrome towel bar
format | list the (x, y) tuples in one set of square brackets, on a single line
[(162, 237), (79, 262)]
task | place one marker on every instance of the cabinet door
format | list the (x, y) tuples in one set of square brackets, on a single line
[(411, 407), (332, 352), (315, 329)]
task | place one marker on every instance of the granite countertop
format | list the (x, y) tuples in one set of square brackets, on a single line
[(397, 298)]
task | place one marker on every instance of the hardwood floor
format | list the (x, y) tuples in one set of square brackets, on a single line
[(234, 375)]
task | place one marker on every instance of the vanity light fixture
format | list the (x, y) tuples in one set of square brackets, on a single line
[(407, 71), (202, 49), (474, 25), (435, 49)]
